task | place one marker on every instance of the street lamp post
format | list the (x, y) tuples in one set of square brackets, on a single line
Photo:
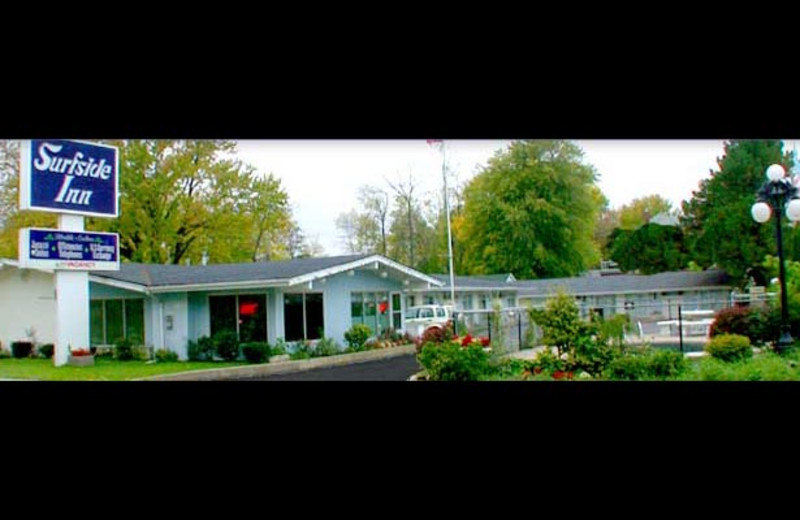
[(778, 193)]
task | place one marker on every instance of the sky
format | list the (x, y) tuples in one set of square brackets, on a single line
[(322, 177)]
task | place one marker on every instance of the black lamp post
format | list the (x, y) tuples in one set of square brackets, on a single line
[(778, 193)]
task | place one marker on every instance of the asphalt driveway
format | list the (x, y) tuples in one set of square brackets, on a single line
[(398, 368)]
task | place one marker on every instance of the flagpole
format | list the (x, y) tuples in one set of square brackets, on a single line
[(449, 233)]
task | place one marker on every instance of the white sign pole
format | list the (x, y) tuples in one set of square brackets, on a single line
[(72, 302)]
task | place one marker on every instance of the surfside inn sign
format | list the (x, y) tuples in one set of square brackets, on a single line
[(69, 177)]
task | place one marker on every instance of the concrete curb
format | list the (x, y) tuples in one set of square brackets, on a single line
[(286, 367)]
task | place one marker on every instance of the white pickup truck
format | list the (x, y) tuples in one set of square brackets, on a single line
[(423, 317)]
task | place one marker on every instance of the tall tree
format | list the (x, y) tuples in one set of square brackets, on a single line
[(639, 211), (375, 202), (268, 206), (649, 249), (717, 221), (411, 236), (531, 212)]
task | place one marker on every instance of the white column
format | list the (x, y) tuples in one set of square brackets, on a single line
[(72, 302)]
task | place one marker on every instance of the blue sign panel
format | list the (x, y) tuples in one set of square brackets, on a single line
[(70, 250), (69, 177)]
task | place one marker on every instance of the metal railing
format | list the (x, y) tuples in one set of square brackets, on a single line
[(672, 323)]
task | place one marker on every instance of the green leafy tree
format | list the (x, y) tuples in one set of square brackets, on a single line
[(717, 222), (267, 207), (532, 211), (649, 249), (560, 321), (639, 211)]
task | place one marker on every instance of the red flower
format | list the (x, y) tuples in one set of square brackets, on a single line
[(484, 341), (569, 375), (80, 352), (537, 370), (466, 341), (558, 374)]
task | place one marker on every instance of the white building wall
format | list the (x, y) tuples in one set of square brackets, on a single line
[(27, 300), (176, 323)]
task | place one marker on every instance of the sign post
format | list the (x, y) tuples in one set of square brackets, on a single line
[(74, 179)]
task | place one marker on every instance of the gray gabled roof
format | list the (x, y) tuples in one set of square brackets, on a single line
[(155, 275), (626, 283)]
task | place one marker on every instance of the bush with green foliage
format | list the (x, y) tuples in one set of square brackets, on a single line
[(201, 350), (357, 335), (451, 362), (46, 350), (279, 348), (646, 363), (124, 350), (744, 321), (547, 361), (256, 352), (166, 356), (325, 347), (560, 322), (767, 366), (665, 364), (21, 349), (729, 347), (226, 343)]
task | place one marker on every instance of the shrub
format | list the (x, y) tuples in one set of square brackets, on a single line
[(450, 362), (46, 350), (21, 349), (226, 343), (744, 321), (4, 354), (325, 347), (591, 354), (279, 348), (201, 350), (357, 336), (629, 367), (124, 350), (166, 356), (257, 352), (435, 335), (664, 364), (729, 347), (547, 361)]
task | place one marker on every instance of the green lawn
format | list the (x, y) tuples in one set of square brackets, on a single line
[(103, 370)]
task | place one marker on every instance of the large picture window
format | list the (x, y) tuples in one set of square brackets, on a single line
[(371, 309), (303, 316), (244, 314), (113, 320)]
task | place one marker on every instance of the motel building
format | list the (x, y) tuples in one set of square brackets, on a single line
[(165, 306)]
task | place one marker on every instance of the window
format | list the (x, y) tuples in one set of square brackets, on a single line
[(244, 314), (372, 309), (397, 312), (112, 320), (467, 302), (440, 312), (223, 313), (484, 302), (426, 313), (303, 316), (252, 317)]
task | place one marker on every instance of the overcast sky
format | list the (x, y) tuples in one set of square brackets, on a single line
[(322, 177)]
